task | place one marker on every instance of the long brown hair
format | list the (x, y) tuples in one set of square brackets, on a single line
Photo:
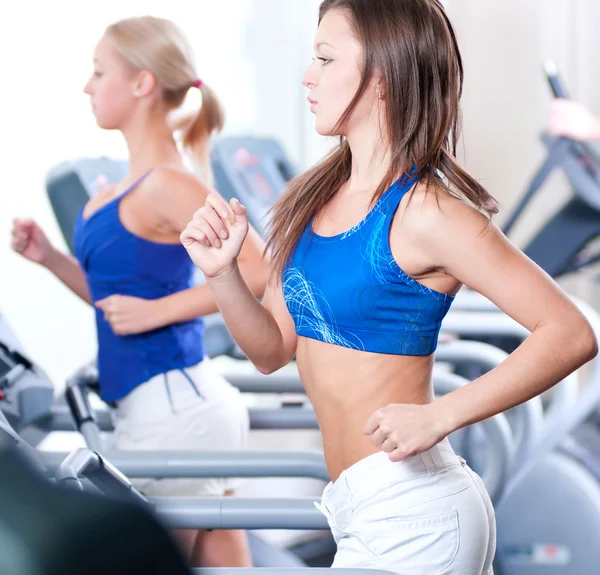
[(413, 46)]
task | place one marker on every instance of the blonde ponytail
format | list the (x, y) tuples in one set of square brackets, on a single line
[(197, 130)]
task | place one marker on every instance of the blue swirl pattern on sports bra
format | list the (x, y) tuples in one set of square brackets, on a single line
[(348, 290)]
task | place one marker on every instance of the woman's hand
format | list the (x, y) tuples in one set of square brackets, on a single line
[(405, 430), (573, 120), (214, 237), (129, 315), (30, 241)]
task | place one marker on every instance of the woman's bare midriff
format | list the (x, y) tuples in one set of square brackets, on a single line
[(347, 386)]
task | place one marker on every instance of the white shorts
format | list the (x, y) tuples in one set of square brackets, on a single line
[(190, 409), (429, 514)]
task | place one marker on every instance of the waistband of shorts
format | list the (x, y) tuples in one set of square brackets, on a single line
[(377, 469)]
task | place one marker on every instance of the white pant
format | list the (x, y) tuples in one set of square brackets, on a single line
[(190, 409), (429, 514)]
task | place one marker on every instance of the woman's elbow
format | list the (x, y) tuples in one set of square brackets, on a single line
[(276, 359), (270, 366), (265, 369), (585, 342), (591, 346)]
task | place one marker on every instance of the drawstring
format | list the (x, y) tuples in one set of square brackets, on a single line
[(191, 382), (168, 390)]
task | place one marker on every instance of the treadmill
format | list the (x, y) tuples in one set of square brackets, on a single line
[(564, 244)]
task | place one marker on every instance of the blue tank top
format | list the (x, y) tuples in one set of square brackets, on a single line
[(118, 262), (348, 290)]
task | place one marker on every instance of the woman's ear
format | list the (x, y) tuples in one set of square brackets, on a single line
[(145, 84), (380, 87)]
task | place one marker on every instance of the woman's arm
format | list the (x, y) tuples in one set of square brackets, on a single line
[(176, 195), (481, 257), (199, 301), (454, 238), (264, 331), (30, 241), (179, 194), (67, 269), (571, 119)]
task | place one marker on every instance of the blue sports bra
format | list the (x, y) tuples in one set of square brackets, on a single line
[(348, 290)]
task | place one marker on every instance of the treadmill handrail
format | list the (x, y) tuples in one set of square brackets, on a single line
[(87, 464), (284, 571), (201, 464), (500, 455), (292, 417), (296, 513)]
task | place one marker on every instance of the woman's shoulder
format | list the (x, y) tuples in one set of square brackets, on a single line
[(167, 184), (432, 209), (173, 178)]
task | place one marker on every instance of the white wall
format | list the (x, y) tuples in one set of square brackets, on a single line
[(281, 43), (254, 52)]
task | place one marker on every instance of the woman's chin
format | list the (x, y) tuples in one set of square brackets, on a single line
[(104, 125), (323, 130)]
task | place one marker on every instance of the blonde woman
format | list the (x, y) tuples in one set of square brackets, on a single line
[(132, 268)]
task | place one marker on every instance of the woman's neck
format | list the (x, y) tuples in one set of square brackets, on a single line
[(371, 160), (150, 143)]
